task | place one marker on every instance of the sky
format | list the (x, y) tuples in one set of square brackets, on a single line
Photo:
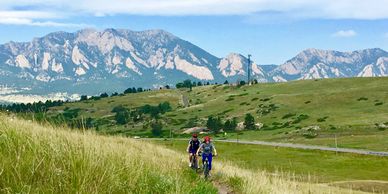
[(272, 31)]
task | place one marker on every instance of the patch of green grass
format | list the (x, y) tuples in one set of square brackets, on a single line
[(321, 165)]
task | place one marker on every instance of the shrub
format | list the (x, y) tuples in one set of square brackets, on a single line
[(323, 119), (156, 128), (288, 115), (362, 99), (379, 103), (229, 99)]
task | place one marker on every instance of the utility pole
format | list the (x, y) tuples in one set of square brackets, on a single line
[(336, 144), (249, 69)]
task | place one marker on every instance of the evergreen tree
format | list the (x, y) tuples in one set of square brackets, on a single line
[(242, 83), (104, 95), (84, 97), (214, 124), (230, 125), (249, 122)]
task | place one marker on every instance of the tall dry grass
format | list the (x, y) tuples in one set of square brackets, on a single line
[(38, 159)]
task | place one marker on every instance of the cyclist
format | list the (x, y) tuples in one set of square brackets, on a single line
[(207, 148), (192, 148)]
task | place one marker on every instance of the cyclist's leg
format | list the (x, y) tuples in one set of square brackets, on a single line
[(190, 157), (210, 158), (203, 158)]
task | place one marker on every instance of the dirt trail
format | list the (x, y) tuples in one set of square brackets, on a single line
[(222, 188)]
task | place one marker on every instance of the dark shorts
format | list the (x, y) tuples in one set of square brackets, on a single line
[(193, 151)]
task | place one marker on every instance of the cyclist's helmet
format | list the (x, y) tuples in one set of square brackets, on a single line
[(195, 135), (207, 138)]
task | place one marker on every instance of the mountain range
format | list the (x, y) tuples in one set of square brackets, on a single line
[(91, 61)]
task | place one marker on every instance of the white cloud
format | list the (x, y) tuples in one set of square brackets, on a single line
[(32, 18), (345, 33), (327, 9)]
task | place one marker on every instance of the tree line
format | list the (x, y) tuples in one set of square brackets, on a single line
[(215, 124)]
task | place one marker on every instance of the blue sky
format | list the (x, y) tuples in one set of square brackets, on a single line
[(272, 31)]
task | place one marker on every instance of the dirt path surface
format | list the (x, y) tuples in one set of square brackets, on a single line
[(222, 188)]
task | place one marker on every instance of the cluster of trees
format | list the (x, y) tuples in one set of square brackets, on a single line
[(35, 107), (190, 84), (105, 95), (134, 90), (124, 115), (215, 124)]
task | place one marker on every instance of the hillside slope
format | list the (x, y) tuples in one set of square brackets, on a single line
[(38, 159), (353, 109)]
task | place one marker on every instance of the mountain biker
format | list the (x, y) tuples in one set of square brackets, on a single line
[(193, 146), (207, 148)]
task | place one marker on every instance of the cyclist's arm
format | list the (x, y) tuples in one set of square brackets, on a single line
[(199, 149), (188, 147)]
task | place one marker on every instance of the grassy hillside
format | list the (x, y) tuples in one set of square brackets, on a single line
[(36, 159), (367, 173), (353, 110)]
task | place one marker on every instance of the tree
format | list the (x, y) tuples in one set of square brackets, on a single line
[(139, 89), (167, 87), (255, 81), (214, 124), (241, 83), (84, 97), (199, 84), (249, 122), (122, 117), (122, 114), (114, 94), (230, 125), (187, 84), (207, 83), (179, 85), (104, 95), (156, 128), (226, 82), (127, 91), (164, 107)]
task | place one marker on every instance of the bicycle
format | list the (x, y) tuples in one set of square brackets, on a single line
[(206, 168), (194, 163)]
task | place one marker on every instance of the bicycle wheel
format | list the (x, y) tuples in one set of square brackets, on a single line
[(206, 169)]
